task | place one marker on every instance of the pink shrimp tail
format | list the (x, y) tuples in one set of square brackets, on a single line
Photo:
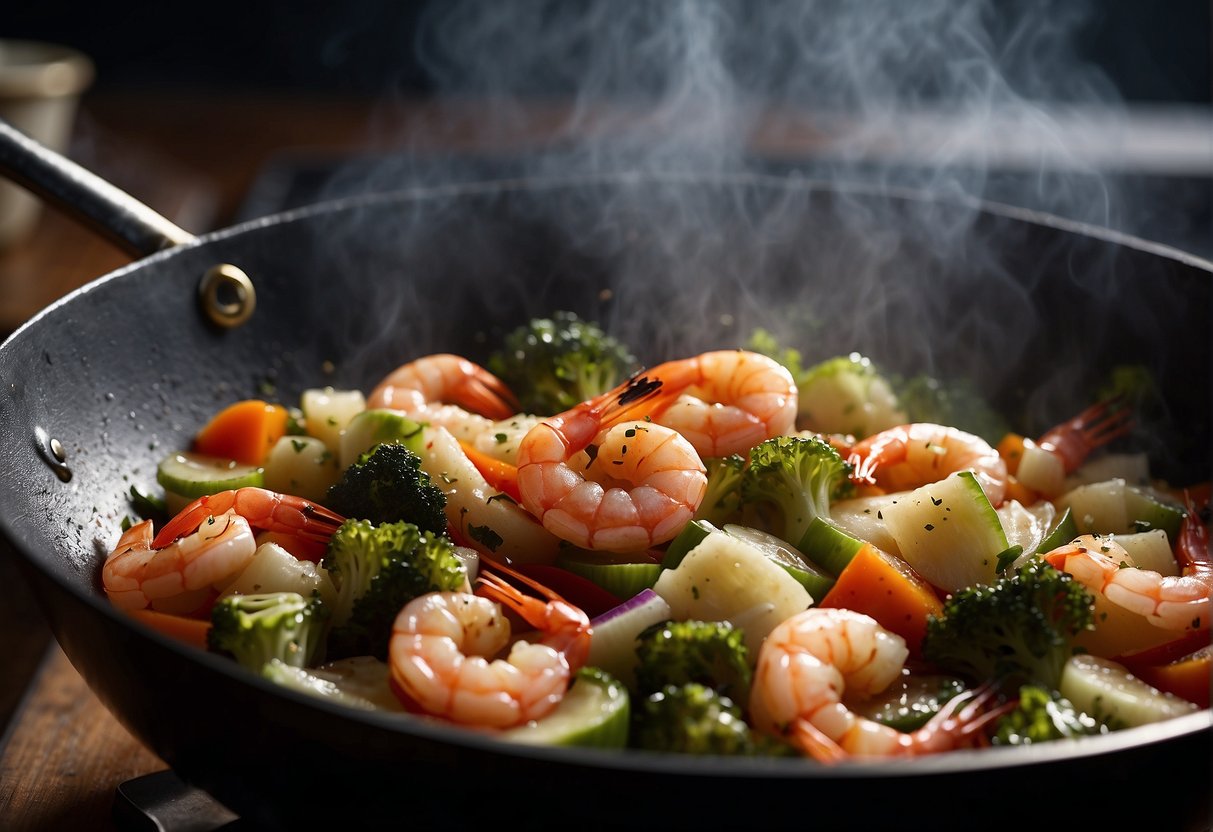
[(1192, 545), (567, 626), (960, 723), (865, 457), (1074, 440), (578, 426), (263, 509), (489, 396)]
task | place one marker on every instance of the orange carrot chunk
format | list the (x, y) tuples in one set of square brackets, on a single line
[(499, 475), (1188, 677), (1011, 450), (244, 432), (889, 590), (1183, 667), (189, 630)]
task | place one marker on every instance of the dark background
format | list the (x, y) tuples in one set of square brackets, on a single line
[(1151, 51)]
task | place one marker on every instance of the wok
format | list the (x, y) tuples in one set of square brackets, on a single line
[(1032, 310)]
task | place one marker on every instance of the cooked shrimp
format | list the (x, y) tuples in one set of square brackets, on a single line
[(1180, 603), (909, 456), (443, 643), (1192, 542), (264, 510), (448, 391), (178, 577), (204, 546), (732, 400), (637, 486), (807, 663), (1073, 440)]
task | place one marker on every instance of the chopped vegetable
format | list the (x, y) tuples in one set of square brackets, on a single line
[(722, 499), (711, 653), (888, 589), (798, 477), (253, 629), (691, 719), (1043, 715), (377, 570), (1020, 630), (244, 432), (554, 363), (192, 631), (387, 485)]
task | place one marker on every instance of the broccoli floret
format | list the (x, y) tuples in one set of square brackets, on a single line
[(957, 403), (1042, 716), (377, 570), (254, 629), (798, 476), (554, 363), (387, 485), (722, 499), (764, 342), (1019, 630), (711, 653), (847, 395), (691, 719)]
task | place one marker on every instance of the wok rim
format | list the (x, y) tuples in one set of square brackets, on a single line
[(631, 760), (1030, 216)]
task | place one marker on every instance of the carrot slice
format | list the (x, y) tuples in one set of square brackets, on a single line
[(1182, 667), (889, 590), (244, 432), (500, 475), (1016, 490), (1011, 450), (1188, 677), (189, 630)]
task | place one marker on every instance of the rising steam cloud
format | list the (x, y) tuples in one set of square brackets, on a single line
[(956, 101), (920, 94)]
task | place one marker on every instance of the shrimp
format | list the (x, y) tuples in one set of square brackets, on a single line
[(909, 456), (1177, 603), (1073, 440), (205, 546), (808, 662), (178, 577), (263, 509), (641, 484), (442, 644), (733, 399), (448, 391)]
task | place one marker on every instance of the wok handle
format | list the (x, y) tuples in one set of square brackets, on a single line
[(126, 221)]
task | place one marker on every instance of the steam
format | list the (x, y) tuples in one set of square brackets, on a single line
[(955, 101), (908, 94)]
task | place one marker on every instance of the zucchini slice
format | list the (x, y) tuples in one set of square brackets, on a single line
[(192, 475), (593, 714)]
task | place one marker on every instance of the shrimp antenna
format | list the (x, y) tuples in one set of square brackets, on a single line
[(491, 579)]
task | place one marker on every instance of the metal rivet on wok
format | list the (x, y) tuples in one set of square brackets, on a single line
[(227, 295), (52, 453)]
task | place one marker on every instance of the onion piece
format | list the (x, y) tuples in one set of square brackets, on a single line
[(613, 645)]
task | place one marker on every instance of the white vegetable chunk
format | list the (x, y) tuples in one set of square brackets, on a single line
[(725, 578), (1106, 689), (301, 465), (326, 412), (274, 569)]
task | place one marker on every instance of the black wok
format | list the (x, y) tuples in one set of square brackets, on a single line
[(1034, 311)]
